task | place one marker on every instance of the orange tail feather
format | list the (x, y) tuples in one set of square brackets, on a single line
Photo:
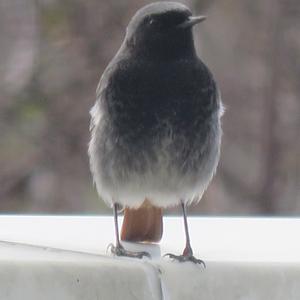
[(143, 224)]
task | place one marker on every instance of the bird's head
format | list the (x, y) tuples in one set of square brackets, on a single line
[(162, 30)]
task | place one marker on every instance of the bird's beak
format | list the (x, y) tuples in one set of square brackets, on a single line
[(191, 21)]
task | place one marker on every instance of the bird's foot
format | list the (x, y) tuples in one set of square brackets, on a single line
[(119, 250), (184, 258)]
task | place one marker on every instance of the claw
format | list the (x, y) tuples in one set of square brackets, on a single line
[(109, 247), (120, 251), (185, 258)]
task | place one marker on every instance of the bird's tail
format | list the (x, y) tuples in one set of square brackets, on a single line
[(143, 224)]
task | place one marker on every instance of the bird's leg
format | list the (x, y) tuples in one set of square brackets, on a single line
[(187, 254), (118, 249)]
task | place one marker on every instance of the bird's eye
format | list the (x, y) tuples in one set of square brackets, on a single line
[(152, 21)]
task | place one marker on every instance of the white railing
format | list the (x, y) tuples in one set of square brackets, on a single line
[(50, 257)]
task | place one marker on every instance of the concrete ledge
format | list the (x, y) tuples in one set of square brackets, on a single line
[(246, 259)]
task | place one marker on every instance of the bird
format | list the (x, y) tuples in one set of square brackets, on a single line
[(155, 126)]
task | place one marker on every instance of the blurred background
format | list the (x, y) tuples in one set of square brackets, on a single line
[(52, 54)]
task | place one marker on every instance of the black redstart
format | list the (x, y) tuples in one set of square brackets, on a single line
[(155, 126)]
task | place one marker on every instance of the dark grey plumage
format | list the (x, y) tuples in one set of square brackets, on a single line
[(156, 122)]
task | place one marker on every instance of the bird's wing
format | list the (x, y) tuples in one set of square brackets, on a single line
[(222, 108), (95, 118), (95, 111)]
